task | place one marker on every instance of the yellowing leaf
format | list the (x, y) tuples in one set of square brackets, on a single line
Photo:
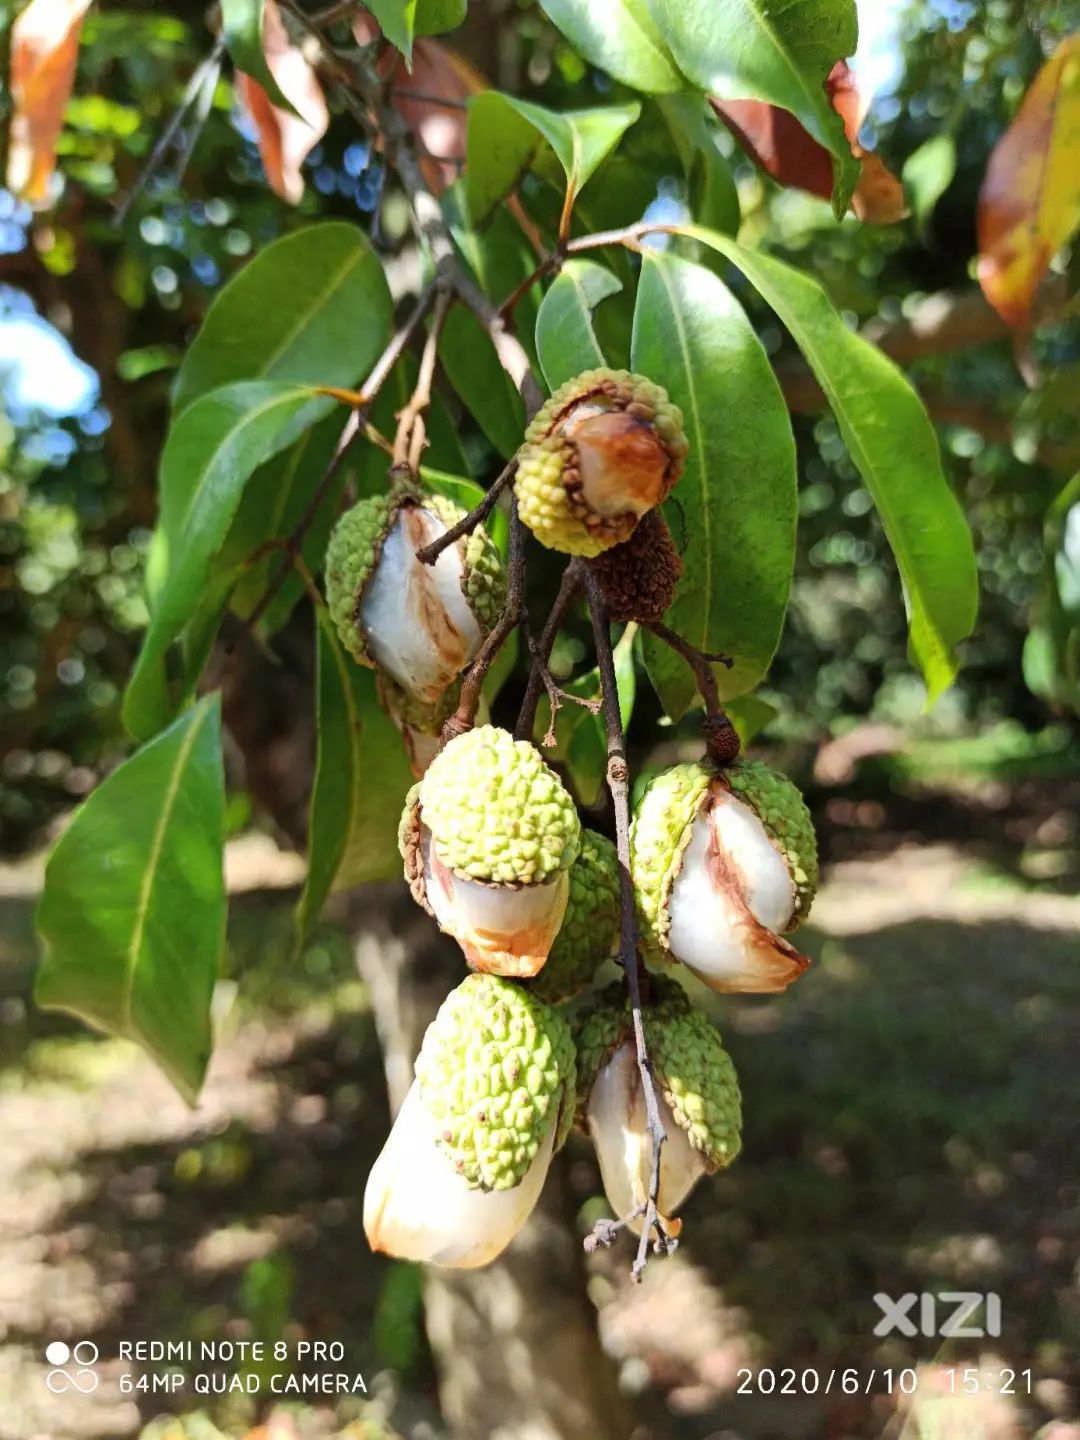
[(1030, 199), (285, 140), (44, 49)]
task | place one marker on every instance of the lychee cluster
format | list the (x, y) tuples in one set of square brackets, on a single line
[(722, 861)]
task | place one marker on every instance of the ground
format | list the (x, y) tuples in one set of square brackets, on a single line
[(910, 1125)]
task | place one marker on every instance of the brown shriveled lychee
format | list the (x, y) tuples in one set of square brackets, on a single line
[(639, 577)]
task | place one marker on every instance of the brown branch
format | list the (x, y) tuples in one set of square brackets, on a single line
[(411, 437), (513, 611), (551, 264), (426, 98), (618, 785), (468, 523), (721, 738), (571, 584)]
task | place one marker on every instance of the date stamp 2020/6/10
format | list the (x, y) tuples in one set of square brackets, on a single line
[(948, 1379)]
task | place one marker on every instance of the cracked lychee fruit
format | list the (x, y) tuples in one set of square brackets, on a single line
[(467, 1156), (419, 724), (589, 933), (724, 861), (418, 624), (698, 1098), (488, 837), (639, 577), (605, 449)]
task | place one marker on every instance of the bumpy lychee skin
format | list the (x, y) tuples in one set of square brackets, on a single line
[(639, 577), (418, 624), (605, 449), (488, 838), (497, 1074), (497, 812), (724, 861), (694, 1072), (589, 934)]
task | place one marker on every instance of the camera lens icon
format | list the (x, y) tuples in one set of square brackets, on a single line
[(76, 1358)]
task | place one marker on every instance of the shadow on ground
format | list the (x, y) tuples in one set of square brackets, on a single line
[(910, 1114)]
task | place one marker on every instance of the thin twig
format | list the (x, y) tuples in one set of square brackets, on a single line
[(199, 78), (551, 264), (426, 98), (571, 584), (353, 428), (468, 523), (412, 431), (512, 612), (721, 737), (618, 785)]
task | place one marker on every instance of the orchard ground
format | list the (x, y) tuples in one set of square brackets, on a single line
[(910, 1125)]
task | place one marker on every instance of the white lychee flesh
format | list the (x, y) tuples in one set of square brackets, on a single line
[(503, 929), (732, 875), (417, 623), (618, 1125), (417, 1206)]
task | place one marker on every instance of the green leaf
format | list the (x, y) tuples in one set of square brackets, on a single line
[(402, 20), (619, 37), (361, 780), (211, 452), (476, 373), (133, 909), (580, 736), (750, 714), (733, 512), (713, 192), (505, 134), (565, 340), (313, 308), (780, 53), (895, 449), (928, 172), (242, 25), (273, 502)]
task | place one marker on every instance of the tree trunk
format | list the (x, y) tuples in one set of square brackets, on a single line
[(515, 1343)]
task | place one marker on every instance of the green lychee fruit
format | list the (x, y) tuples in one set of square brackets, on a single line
[(723, 862), (589, 933), (418, 624), (698, 1097), (497, 1074), (605, 449), (469, 1151), (488, 838)]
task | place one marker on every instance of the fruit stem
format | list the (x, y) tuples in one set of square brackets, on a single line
[(721, 737), (468, 523), (513, 611), (618, 780), (539, 675)]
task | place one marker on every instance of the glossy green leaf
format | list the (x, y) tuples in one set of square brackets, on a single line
[(361, 779), (211, 452), (565, 339), (476, 373), (733, 512), (619, 37), (402, 20), (750, 714), (895, 450), (505, 133), (133, 909), (313, 308), (242, 26), (1052, 649), (780, 53), (580, 735), (928, 172)]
